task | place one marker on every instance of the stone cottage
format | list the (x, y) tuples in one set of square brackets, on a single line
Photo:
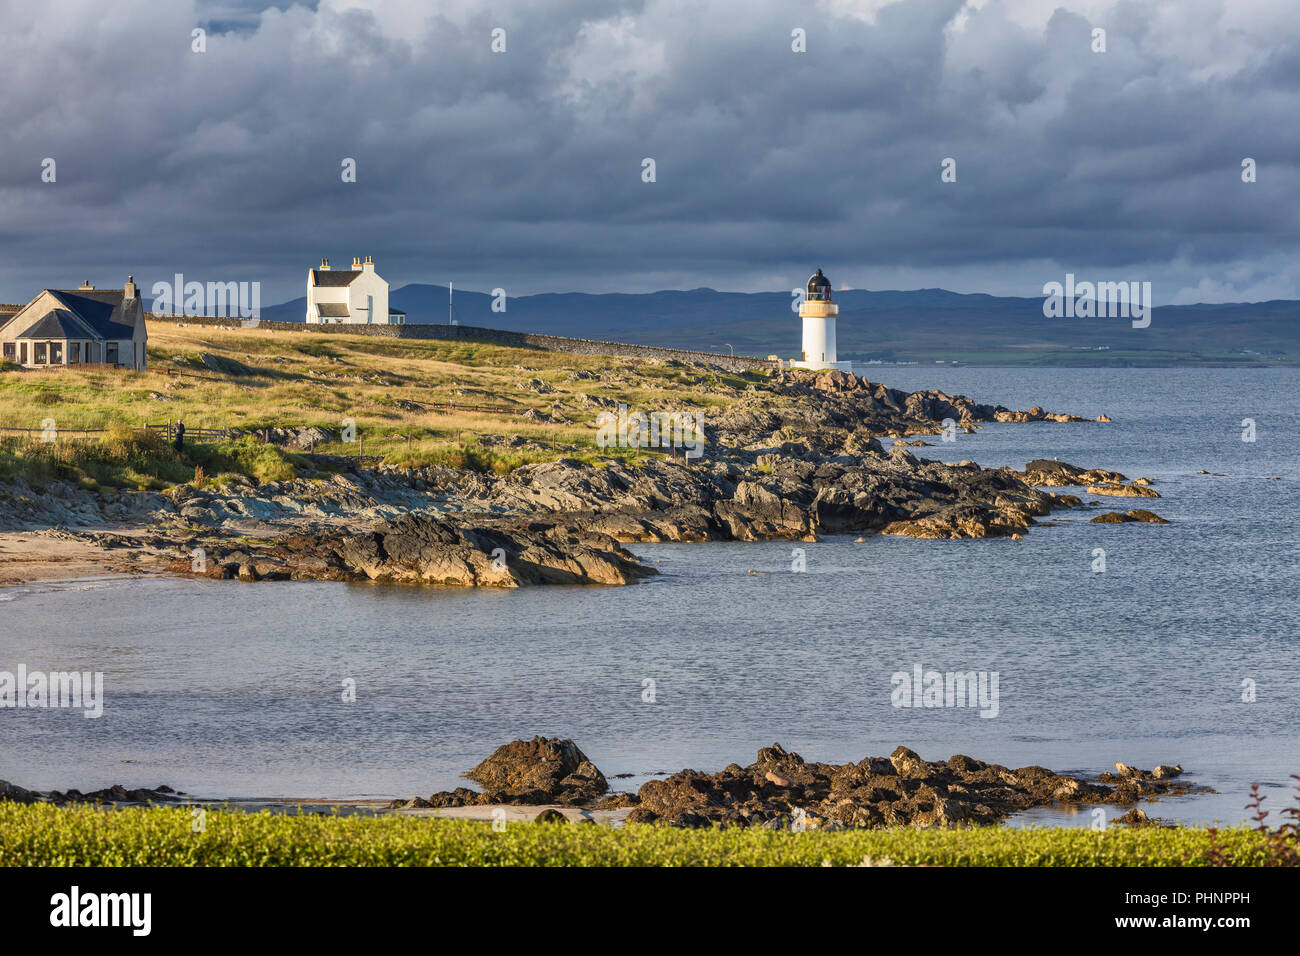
[(81, 326)]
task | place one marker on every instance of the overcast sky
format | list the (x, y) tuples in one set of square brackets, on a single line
[(523, 169)]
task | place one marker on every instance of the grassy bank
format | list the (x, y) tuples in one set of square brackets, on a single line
[(44, 835), (137, 458), (395, 392)]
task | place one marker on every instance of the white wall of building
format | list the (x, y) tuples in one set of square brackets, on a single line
[(366, 297)]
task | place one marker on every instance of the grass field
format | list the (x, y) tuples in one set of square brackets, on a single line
[(390, 389), (45, 835)]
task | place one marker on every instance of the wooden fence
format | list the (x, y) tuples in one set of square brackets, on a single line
[(169, 429), (194, 434)]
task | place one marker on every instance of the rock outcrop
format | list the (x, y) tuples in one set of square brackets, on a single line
[(1115, 490), (423, 549), (1042, 473), (781, 789), (116, 794), (541, 770), (529, 773), (1138, 514), (796, 459)]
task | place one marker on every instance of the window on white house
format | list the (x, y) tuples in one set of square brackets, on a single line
[(11, 351), (56, 353), (110, 353), (42, 354), (74, 353)]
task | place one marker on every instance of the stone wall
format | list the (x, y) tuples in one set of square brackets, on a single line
[(526, 340)]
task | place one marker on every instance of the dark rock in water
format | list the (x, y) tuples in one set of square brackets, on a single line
[(114, 794), (1045, 474), (1112, 517), (964, 521), (1137, 514), (541, 770), (1116, 490), (1126, 775)]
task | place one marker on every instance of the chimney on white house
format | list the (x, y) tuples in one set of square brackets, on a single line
[(86, 287), (325, 265), (368, 265), (129, 289), (356, 263)]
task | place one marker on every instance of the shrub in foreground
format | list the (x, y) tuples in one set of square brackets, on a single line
[(45, 835)]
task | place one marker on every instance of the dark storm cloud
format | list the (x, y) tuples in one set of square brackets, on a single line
[(523, 169)]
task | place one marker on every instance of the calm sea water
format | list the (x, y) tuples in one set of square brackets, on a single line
[(229, 690)]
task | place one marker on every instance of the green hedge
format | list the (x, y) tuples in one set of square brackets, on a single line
[(44, 835)]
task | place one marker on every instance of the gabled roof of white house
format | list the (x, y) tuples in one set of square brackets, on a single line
[(334, 277)]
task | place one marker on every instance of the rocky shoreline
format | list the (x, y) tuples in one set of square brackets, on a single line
[(795, 459), (780, 789)]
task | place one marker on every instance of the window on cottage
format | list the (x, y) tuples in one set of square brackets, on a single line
[(22, 353), (42, 354), (56, 353), (11, 351), (74, 353), (110, 353)]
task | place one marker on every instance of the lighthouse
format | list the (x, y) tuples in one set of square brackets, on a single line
[(818, 314)]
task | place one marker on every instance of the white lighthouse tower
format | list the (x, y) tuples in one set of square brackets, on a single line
[(818, 314)]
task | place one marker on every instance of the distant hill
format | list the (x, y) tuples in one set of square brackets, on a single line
[(923, 325)]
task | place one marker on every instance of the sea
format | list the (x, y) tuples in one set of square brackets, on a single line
[(1138, 643)]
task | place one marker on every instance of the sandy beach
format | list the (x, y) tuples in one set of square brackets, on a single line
[(49, 557)]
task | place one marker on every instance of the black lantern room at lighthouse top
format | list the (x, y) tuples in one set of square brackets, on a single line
[(819, 288)]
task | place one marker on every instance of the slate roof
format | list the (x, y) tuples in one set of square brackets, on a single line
[(334, 277), (59, 324), (333, 309), (95, 314)]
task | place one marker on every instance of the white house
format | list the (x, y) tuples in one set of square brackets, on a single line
[(78, 327), (356, 296)]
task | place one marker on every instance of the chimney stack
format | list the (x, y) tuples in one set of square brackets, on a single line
[(368, 265), (86, 287), (325, 265), (129, 288), (356, 262)]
